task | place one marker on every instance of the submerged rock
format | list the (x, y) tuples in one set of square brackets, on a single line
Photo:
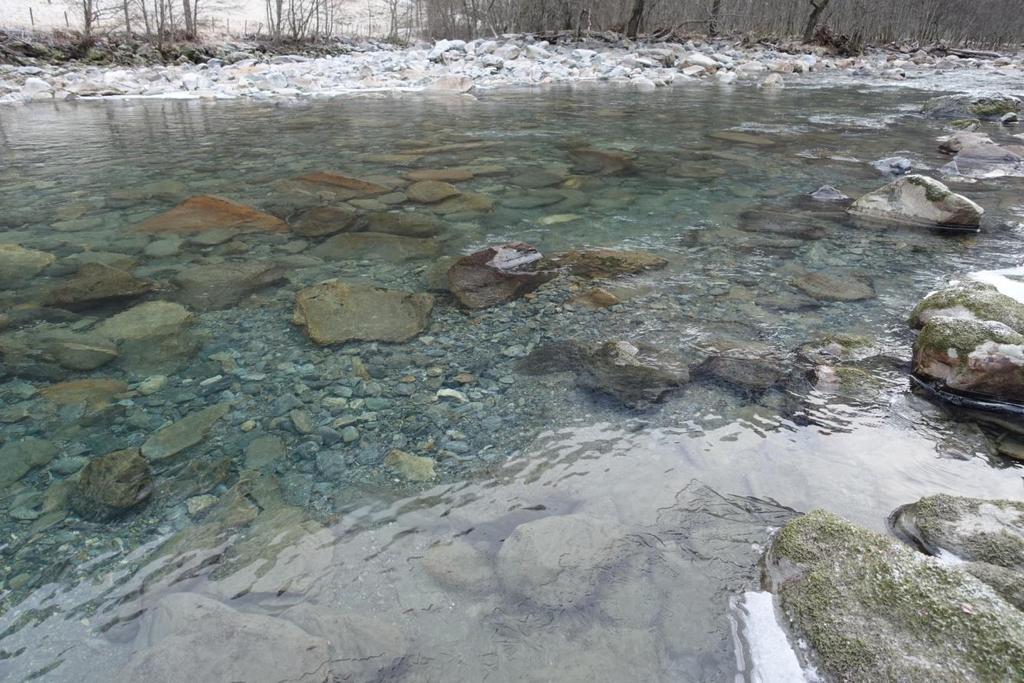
[(402, 223), (18, 458), (112, 484), (600, 264), (969, 300), (223, 285), (431, 191), (323, 221), (360, 245), (457, 565), (871, 609), (206, 213), (95, 284), (411, 467), (18, 265), (495, 275), (152, 337), (828, 287), (918, 200), (827, 193), (556, 562), (355, 187), (592, 161), (745, 369), (190, 637), (636, 375), (984, 107), (333, 312), (977, 356), (781, 222), (185, 433), (977, 156)]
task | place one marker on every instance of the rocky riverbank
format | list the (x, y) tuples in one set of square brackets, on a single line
[(234, 70)]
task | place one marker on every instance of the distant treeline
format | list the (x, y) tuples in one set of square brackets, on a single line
[(960, 22)]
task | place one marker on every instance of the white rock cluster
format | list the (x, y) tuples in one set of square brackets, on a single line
[(456, 66)]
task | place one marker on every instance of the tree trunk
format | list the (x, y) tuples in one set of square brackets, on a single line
[(127, 19), (812, 21), (87, 17), (186, 9), (636, 18), (716, 12)]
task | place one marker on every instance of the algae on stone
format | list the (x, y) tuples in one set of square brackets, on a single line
[(872, 609), (973, 301)]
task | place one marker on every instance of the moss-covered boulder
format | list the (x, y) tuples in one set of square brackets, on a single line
[(873, 609), (983, 537), (961, 107), (969, 529), (970, 300), (975, 356), (918, 200)]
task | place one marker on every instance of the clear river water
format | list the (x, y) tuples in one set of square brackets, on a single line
[(288, 511)]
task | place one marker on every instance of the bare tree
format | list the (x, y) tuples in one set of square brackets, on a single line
[(636, 18), (819, 7)]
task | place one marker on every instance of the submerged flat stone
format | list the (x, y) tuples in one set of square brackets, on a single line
[(599, 264), (431, 191), (18, 458), (372, 245), (96, 284), (93, 392), (332, 179), (827, 287), (322, 221), (334, 312), (185, 433), (205, 212), (411, 467), (189, 637), (18, 265), (214, 287), (872, 609), (495, 275), (402, 223)]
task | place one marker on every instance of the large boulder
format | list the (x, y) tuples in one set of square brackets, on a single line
[(556, 562), (969, 300), (188, 637), (333, 312), (984, 537), (966, 529), (206, 213), (495, 275), (18, 265), (95, 284), (982, 357), (112, 484), (214, 287), (984, 107), (871, 609), (918, 200)]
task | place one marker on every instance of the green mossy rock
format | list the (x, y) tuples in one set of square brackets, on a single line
[(872, 609), (972, 301)]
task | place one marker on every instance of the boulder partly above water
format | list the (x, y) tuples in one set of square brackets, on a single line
[(918, 200), (333, 312), (971, 340), (872, 609), (495, 275), (984, 107)]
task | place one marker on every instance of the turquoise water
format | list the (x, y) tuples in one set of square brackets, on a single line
[(313, 518)]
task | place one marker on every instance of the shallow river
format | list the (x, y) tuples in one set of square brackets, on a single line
[(285, 509)]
